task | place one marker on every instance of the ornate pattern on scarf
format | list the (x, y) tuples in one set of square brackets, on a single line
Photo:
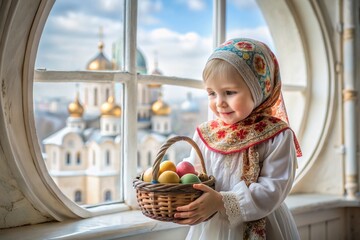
[(226, 139), (259, 68), (251, 170)]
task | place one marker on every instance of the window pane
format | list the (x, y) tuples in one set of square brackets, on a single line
[(79, 124), (82, 154), (244, 19), (77, 31), (176, 111), (174, 37)]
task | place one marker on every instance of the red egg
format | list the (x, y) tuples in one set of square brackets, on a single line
[(185, 167)]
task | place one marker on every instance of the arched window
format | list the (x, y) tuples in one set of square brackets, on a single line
[(93, 157), (107, 158), (107, 94), (149, 159), (86, 96), (138, 162), (78, 158), (78, 196), (95, 97), (107, 196), (292, 36), (68, 158)]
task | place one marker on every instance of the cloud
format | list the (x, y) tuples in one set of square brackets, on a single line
[(244, 4), (261, 33), (110, 9), (80, 24), (111, 5), (196, 5), (70, 41), (70, 37), (178, 54), (193, 5), (147, 10)]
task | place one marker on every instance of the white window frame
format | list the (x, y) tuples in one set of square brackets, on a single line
[(50, 200), (130, 79)]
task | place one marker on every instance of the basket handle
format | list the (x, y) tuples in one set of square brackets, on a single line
[(166, 145)]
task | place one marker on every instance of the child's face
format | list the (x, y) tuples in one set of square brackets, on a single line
[(229, 98)]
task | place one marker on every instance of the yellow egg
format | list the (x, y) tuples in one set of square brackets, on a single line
[(169, 177), (167, 166), (147, 177)]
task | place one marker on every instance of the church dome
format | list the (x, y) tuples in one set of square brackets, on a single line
[(160, 107), (190, 106), (140, 62), (118, 54), (156, 71), (100, 62), (154, 85), (109, 108), (75, 108), (116, 111)]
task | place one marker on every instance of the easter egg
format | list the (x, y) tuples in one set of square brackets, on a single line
[(185, 167), (169, 177), (147, 176), (167, 166), (190, 178)]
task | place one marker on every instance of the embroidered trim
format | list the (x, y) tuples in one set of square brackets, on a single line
[(228, 139), (255, 230), (232, 208)]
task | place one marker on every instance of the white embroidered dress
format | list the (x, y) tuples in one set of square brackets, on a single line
[(242, 203)]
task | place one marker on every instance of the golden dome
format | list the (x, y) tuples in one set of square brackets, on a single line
[(116, 111), (75, 108), (154, 85), (100, 62), (160, 107), (109, 108)]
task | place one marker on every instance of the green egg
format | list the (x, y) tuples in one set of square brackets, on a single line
[(189, 178)]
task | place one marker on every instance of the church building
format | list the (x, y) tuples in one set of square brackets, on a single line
[(83, 158)]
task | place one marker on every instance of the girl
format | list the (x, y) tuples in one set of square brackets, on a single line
[(249, 149)]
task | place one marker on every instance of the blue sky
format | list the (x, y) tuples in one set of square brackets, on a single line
[(178, 32)]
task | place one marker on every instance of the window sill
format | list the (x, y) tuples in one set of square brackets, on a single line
[(133, 223), (110, 226), (303, 203)]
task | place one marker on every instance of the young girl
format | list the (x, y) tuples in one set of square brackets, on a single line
[(249, 149)]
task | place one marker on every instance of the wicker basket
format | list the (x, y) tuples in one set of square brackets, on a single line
[(160, 200)]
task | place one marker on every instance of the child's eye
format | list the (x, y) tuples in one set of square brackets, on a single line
[(230, 92), (211, 93)]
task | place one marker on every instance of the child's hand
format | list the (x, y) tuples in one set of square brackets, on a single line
[(202, 208)]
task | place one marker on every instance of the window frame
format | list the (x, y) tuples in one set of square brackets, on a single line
[(130, 80)]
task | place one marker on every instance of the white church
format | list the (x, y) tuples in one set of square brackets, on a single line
[(83, 158)]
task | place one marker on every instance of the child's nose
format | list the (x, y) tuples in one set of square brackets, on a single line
[(220, 102)]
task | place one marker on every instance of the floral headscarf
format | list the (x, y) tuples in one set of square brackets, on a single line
[(259, 68)]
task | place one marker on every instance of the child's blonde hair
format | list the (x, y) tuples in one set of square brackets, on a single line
[(218, 68)]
